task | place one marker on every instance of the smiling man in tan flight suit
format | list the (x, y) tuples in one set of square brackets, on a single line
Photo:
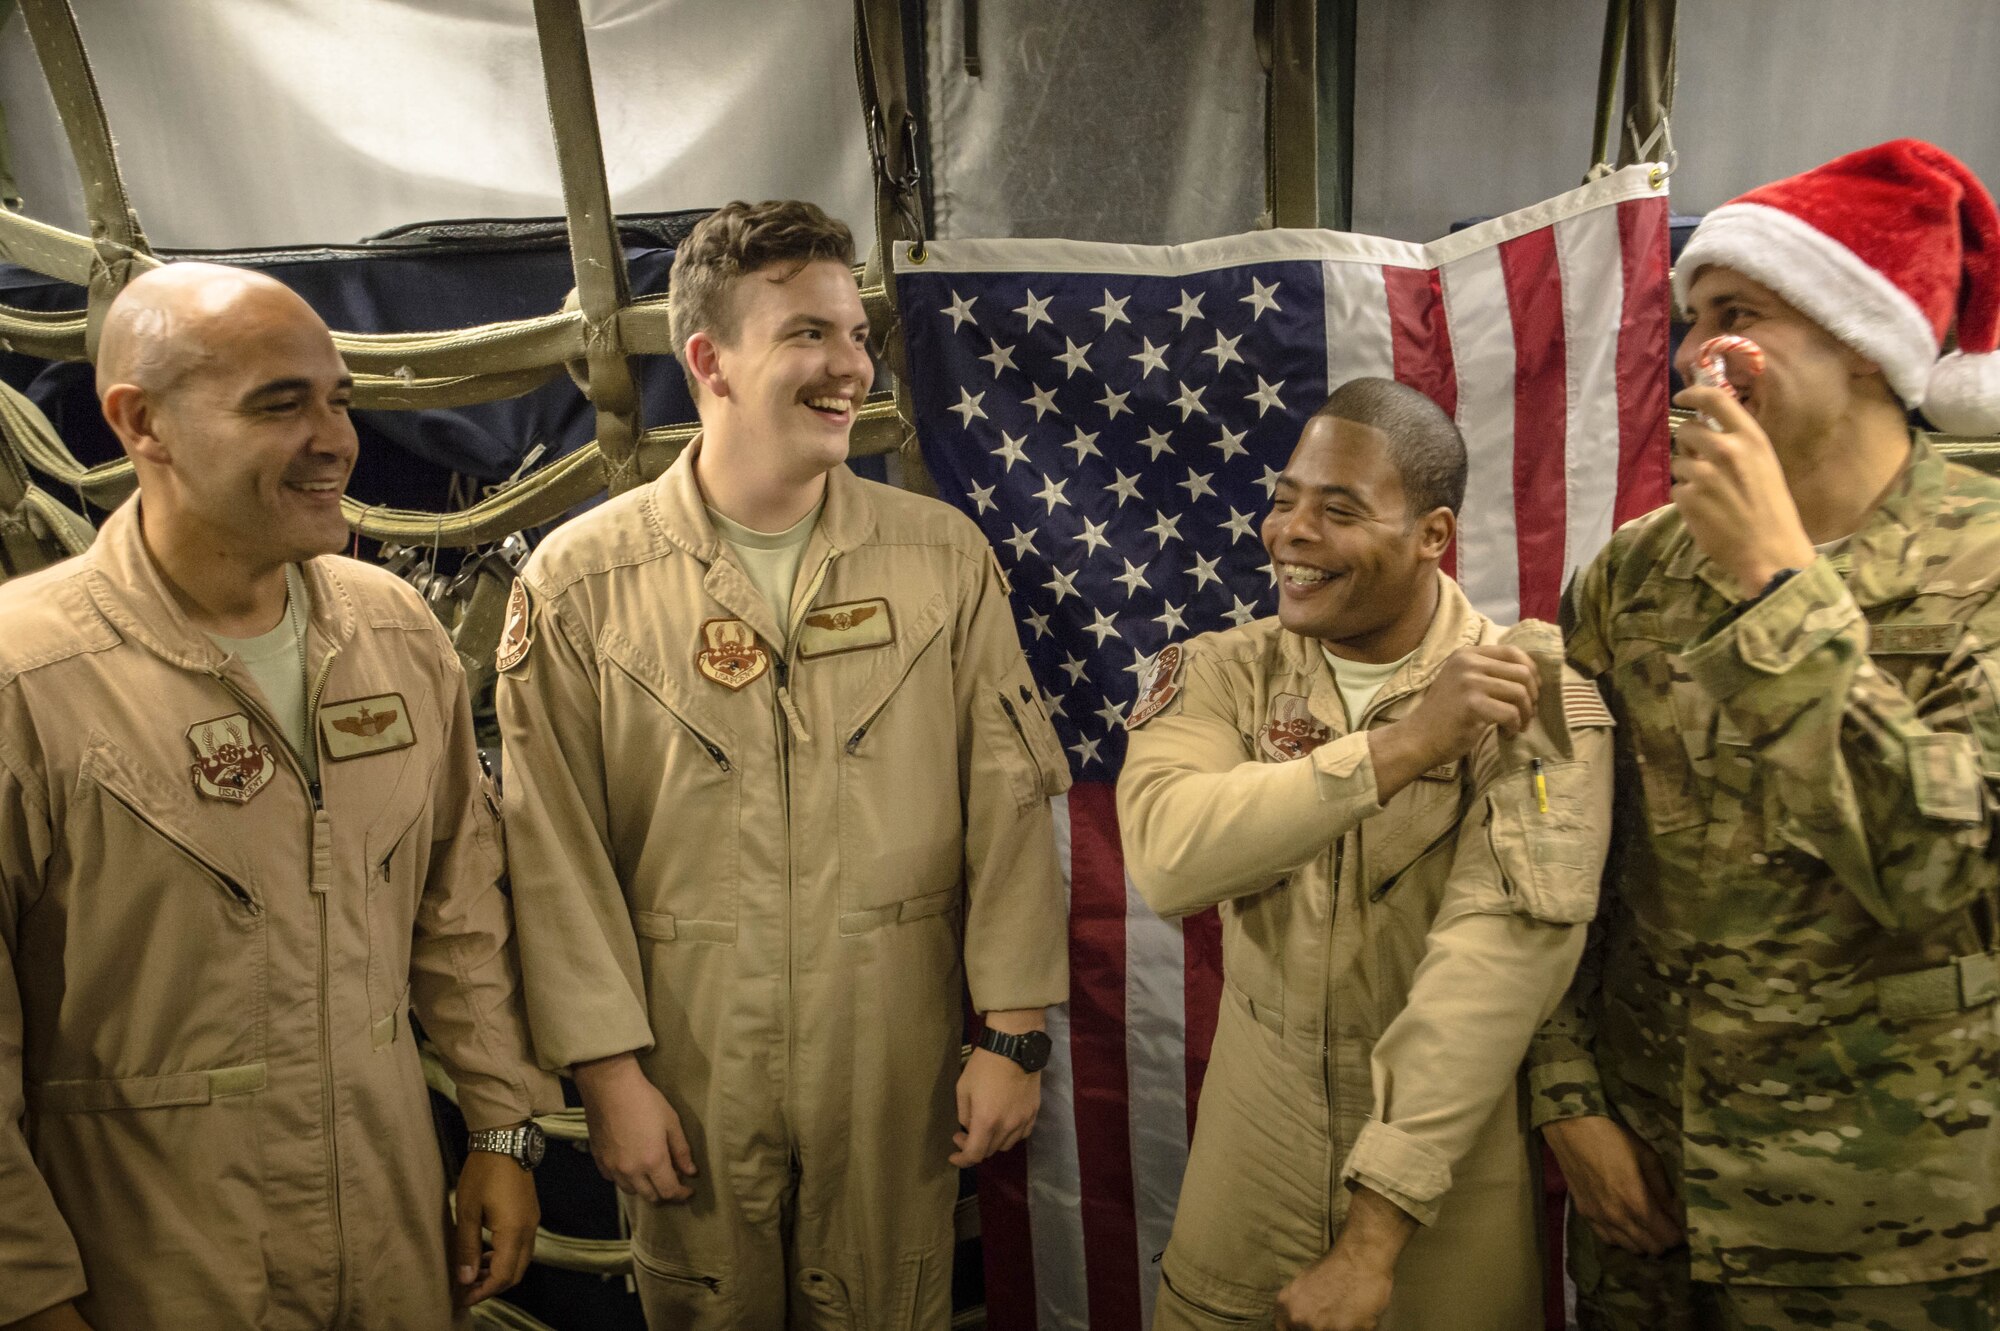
[(777, 793), (242, 830), (1403, 818)]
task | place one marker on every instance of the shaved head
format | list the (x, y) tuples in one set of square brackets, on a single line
[(171, 321)]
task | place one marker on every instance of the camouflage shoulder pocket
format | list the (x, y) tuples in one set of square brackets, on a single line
[(1944, 777)]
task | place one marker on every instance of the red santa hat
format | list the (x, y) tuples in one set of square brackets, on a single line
[(1888, 249)]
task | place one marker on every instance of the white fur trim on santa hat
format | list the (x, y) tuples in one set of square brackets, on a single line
[(1963, 396), (1825, 281)]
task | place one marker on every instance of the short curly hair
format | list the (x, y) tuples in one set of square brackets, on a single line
[(740, 238)]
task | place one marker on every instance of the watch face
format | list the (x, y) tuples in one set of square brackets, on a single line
[(534, 1145), (1035, 1047)]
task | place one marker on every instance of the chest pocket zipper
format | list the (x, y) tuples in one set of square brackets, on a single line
[(861, 731), (236, 891), (710, 747)]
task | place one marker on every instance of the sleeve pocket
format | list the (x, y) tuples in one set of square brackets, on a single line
[(1944, 776), (1550, 859)]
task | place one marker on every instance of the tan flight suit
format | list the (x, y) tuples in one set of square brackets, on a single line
[(211, 1108), (763, 867), (1384, 966)]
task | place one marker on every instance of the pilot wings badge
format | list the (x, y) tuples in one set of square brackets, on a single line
[(731, 656), (361, 726), (229, 764)]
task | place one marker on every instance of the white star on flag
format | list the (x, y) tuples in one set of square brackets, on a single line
[(1022, 541), (1092, 536), (1269, 480), (1035, 311), (1189, 308), (1166, 527), (1000, 358), (1266, 396), (1151, 357), (1125, 487), (1238, 613), (1261, 298), (1155, 444), (1083, 445), (960, 310), (1189, 401), (1075, 357), (1224, 350), (1062, 584), (1231, 443), (1111, 715), (1051, 493), (1113, 403), (1011, 450), (1132, 579), (1172, 618), (1197, 484), (1042, 400), (1085, 750), (1239, 526), (982, 498), (1113, 311), (1073, 668), (1039, 623), (1141, 662), (1203, 570), (968, 407), (1102, 625)]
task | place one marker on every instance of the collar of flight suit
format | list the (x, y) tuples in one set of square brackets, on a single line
[(131, 592), (1455, 624), (1883, 567), (677, 510)]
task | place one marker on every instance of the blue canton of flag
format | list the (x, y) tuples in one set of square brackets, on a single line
[(1117, 438)]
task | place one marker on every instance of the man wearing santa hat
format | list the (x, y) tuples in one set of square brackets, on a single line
[(1773, 1086)]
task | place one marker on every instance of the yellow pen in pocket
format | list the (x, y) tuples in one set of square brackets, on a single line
[(1541, 788)]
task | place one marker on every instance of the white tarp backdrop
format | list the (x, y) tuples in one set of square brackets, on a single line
[(273, 122)]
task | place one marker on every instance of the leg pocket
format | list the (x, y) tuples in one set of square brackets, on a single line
[(1190, 1301), (678, 1296)]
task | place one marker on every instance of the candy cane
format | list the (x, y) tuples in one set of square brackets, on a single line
[(1711, 366)]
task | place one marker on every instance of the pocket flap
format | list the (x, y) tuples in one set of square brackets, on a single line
[(174, 1088), (1550, 850)]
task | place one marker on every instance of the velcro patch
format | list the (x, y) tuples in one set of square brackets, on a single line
[(852, 626), (1291, 731), (229, 762), (361, 726), (730, 654), (517, 634), (1157, 687), (1583, 705), (1913, 639)]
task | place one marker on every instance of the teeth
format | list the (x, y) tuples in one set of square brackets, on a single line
[(828, 403), (316, 487), (1299, 575)]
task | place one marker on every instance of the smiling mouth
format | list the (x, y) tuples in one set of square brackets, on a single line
[(833, 408), (1304, 577)]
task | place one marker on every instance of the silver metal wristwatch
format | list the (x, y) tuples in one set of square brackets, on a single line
[(524, 1142)]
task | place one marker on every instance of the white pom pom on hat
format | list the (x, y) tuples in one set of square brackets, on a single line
[(1890, 249)]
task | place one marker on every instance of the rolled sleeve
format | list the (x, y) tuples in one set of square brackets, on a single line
[(1775, 635), (1405, 1169)]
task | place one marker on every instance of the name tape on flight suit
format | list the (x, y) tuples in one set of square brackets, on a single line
[(358, 727), (850, 627), (229, 764), (1291, 731), (518, 632), (731, 656), (1157, 687)]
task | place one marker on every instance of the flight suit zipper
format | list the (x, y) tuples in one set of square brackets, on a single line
[(1328, 1059), (787, 710), (319, 868)]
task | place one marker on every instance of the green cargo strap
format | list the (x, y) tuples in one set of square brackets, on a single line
[(1962, 983)]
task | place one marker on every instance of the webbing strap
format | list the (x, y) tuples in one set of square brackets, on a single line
[(121, 250), (1291, 111), (1649, 81), (596, 252)]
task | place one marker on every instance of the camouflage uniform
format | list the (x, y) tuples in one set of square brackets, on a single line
[(1790, 993)]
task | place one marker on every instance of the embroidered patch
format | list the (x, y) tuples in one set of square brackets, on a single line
[(1157, 687), (1442, 772), (518, 634), (732, 656), (849, 627), (228, 764), (1583, 705), (361, 726), (1913, 639), (1291, 732)]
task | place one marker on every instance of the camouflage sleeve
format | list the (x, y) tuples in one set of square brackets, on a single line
[(1897, 797), (1581, 618), (1562, 1056)]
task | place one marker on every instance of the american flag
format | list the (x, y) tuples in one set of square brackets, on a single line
[(1114, 417)]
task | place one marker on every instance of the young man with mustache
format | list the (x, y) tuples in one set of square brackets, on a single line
[(1403, 817), (777, 794)]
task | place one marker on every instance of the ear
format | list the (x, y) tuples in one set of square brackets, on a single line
[(1435, 530), (703, 358), (134, 418)]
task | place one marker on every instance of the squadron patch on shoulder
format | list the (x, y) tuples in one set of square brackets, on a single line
[(1290, 732), (361, 726), (1157, 687), (229, 764), (849, 627), (517, 634), (731, 655)]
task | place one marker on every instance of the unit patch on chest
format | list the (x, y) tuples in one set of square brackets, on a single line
[(731, 655), (361, 726), (229, 764), (1291, 732), (849, 627)]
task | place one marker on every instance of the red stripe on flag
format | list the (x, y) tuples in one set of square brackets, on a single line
[(1541, 412), (1642, 359), (1201, 998), (1421, 346), (1097, 1055), (1005, 1243)]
